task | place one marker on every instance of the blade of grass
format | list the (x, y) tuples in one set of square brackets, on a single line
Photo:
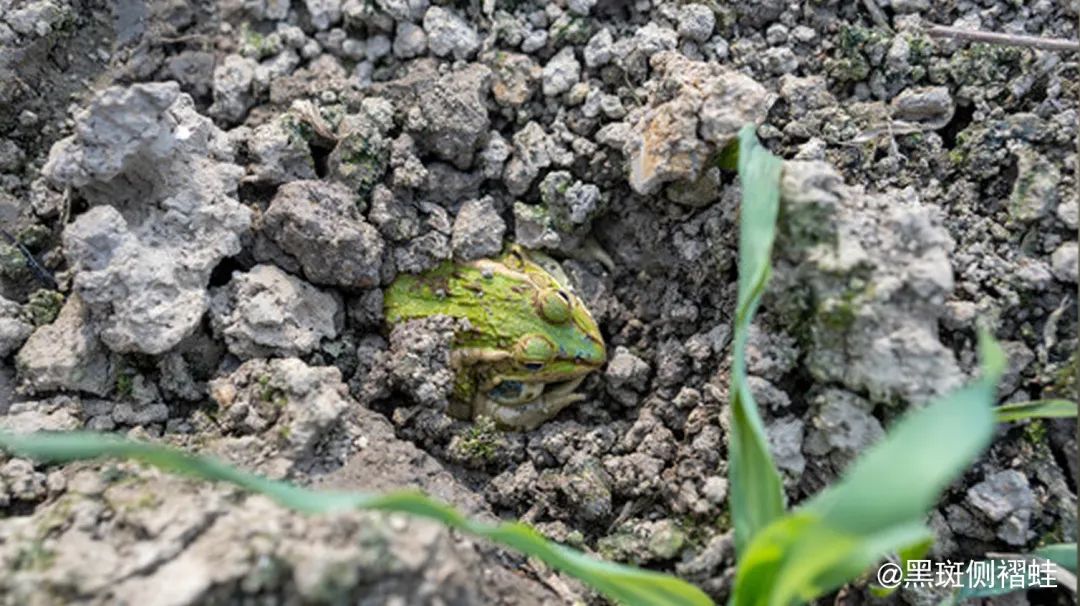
[(757, 497), (625, 584), (1036, 409), (1063, 554), (879, 506)]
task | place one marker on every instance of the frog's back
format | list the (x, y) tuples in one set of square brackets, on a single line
[(490, 302)]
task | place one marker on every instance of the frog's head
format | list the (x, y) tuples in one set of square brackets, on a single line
[(567, 346)]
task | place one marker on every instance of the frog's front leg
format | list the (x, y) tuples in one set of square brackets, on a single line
[(467, 381), (529, 415)]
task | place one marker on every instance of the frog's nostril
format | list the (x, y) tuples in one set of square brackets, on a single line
[(533, 366)]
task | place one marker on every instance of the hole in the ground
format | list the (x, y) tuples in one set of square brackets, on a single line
[(221, 274), (960, 120), (320, 155)]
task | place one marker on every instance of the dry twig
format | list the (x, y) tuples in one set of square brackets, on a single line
[(1051, 44)]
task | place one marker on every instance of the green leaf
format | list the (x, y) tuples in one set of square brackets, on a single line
[(625, 584), (1062, 554), (757, 496), (879, 506), (1036, 409)]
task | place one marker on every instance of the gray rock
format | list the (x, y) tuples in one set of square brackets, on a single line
[(454, 111), (14, 330), (431, 247), (318, 224), (280, 152), (66, 355), (396, 217), (842, 426), (785, 442), (1018, 356), (533, 151), (652, 38), (11, 156), (694, 110), (561, 73), (267, 312), (1063, 263), (137, 415), (1033, 274), (60, 413), (779, 60), (696, 22), (878, 267), (533, 227), (581, 7), (201, 540), (323, 13), (410, 40), (1035, 190), (766, 394), (360, 158), (1068, 212), (143, 254), (571, 204), (598, 51), (770, 355), (624, 369), (419, 362), (449, 34), (478, 230), (233, 96), (932, 106), (534, 41), (1001, 494), (494, 156), (285, 400), (404, 10)]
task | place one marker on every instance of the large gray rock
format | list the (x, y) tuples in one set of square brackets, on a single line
[(445, 112), (455, 115), (319, 226), (877, 267), (162, 188), (267, 312), (66, 355), (286, 402)]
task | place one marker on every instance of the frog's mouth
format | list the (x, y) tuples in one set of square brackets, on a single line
[(517, 393)]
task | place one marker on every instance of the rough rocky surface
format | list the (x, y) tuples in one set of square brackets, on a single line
[(162, 187), (214, 195), (269, 313)]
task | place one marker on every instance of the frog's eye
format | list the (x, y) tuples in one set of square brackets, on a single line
[(554, 306), (534, 351)]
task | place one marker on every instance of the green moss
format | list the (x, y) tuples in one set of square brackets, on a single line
[(271, 393), (125, 381), (479, 442), (1035, 432), (12, 262), (1064, 380), (43, 307)]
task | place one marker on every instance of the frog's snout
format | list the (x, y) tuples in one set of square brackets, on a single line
[(591, 352)]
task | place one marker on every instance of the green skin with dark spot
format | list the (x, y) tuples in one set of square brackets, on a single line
[(526, 325)]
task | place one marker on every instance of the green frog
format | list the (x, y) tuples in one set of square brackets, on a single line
[(529, 340)]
